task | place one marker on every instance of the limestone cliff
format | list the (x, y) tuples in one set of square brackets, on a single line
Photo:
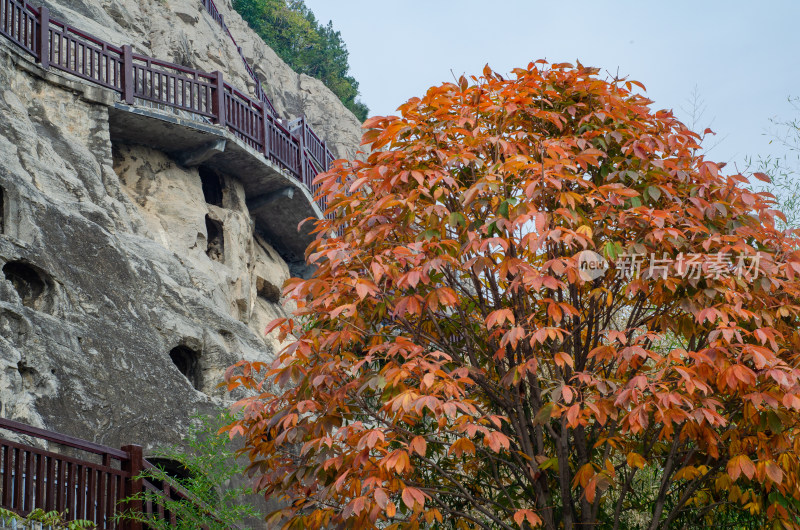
[(130, 282)]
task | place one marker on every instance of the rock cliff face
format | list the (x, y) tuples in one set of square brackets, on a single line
[(129, 283)]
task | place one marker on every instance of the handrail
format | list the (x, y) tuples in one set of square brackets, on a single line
[(171, 66), (78, 32), (62, 439), (56, 44)]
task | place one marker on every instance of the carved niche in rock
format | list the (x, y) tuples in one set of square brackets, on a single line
[(187, 361), (33, 286), (215, 239)]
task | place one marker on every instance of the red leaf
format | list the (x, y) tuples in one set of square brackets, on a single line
[(411, 496), (774, 472), (762, 177), (419, 445), (541, 222), (572, 415), (520, 516), (381, 498)]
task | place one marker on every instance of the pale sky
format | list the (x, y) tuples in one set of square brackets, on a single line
[(743, 57)]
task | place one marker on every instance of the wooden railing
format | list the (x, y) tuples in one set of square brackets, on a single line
[(170, 85), (82, 479), (88, 487), (19, 23), (71, 50), (54, 43)]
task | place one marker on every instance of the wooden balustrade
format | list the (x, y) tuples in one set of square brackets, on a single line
[(260, 94), (137, 77), (88, 485), (244, 117), (81, 479), (173, 85), (80, 54), (18, 23), (212, 10), (284, 147)]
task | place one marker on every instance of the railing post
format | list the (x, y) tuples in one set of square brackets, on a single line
[(325, 155), (44, 37), (303, 150), (133, 486), (219, 99), (127, 74), (265, 128)]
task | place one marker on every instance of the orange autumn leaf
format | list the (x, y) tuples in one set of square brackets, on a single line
[(418, 445)]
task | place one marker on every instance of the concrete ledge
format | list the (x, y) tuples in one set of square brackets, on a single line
[(175, 135)]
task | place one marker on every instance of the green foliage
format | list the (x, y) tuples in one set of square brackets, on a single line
[(311, 48), (54, 519), (208, 465)]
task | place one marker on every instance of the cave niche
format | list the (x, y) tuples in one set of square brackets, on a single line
[(32, 285), (213, 186), (267, 290), (172, 468), (187, 361), (215, 239)]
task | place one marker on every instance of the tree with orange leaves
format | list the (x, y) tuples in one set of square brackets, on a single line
[(536, 304)]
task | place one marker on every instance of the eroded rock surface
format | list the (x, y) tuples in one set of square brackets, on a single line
[(129, 282), (106, 269)]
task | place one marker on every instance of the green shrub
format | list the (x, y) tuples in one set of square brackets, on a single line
[(208, 467), (53, 519)]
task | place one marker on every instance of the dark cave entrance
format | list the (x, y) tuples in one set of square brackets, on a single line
[(213, 186), (267, 290), (172, 468), (188, 363), (28, 282)]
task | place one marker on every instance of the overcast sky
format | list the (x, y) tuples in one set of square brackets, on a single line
[(743, 57)]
